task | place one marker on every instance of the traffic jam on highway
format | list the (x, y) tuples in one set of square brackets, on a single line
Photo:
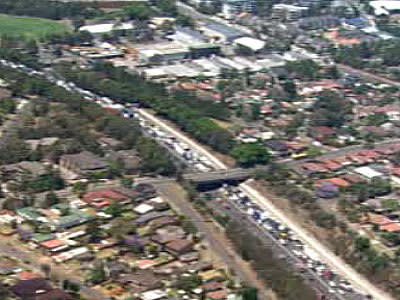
[(307, 259), (191, 157)]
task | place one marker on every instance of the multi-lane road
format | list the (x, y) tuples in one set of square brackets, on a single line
[(334, 262), (337, 264)]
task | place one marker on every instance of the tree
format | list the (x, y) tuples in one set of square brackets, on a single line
[(391, 204), (78, 23), (333, 72), (120, 228), (362, 244), (249, 293), (126, 182), (185, 21), (51, 199), (8, 106), (188, 283), (380, 186), (138, 12), (115, 209), (79, 188), (94, 231), (305, 69), (248, 155), (167, 6), (221, 87), (331, 109), (97, 274), (290, 88)]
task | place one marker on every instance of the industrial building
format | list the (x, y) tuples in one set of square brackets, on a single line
[(100, 29), (220, 32)]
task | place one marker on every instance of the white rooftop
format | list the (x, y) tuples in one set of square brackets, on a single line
[(143, 208), (154, 295), (249, 42), (104, 28), (383, 7), (367, 172)]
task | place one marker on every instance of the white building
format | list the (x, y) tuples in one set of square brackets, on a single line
[(385, 7), (230, 8), (255, 45), (288, 12), (100, 29)]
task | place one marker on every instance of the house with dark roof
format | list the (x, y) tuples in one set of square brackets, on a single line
[(179, 247), (83, 163), (327, 190), (129, 158), (30, 289), (140, 281), (29, 168), (56, 294)]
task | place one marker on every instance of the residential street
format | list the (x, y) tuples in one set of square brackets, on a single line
[(58, 272), (327, 256), (217, 241), (367, 75)]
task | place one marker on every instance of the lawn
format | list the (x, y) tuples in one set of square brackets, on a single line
[(29, 27)]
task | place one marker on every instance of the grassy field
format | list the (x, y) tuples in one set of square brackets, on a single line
[(29, 27)]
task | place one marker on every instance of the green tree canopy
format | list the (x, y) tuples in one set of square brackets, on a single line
[(248, 155)]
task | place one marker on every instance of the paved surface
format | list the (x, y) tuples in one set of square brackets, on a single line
[(327, 256), (58, 272), (217, 241), (269, 240), (339, 152), (367, 75)]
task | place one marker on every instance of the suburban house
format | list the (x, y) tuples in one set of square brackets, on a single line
[(83, 163)]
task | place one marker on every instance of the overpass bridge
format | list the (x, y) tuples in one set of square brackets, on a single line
[(221, 176)]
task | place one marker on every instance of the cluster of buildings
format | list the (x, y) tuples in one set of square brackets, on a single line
[(158, 258), (366, 177)]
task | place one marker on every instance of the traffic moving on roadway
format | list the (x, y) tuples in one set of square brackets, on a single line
[(348, 284)]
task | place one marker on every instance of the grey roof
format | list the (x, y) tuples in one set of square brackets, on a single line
[(86, 161), (193, 33), (152, 215), (227, 31)]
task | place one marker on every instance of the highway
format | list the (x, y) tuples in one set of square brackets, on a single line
[(337, 264), (216, 240)]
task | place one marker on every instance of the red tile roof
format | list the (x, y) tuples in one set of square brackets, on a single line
[(341, 160), (217, 295), (395, 171), (338, 182), (379, 219), (392, 227), (51, 244), (332, 165), (104, 194), (324, 130), (314, 167), (26, 275)]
